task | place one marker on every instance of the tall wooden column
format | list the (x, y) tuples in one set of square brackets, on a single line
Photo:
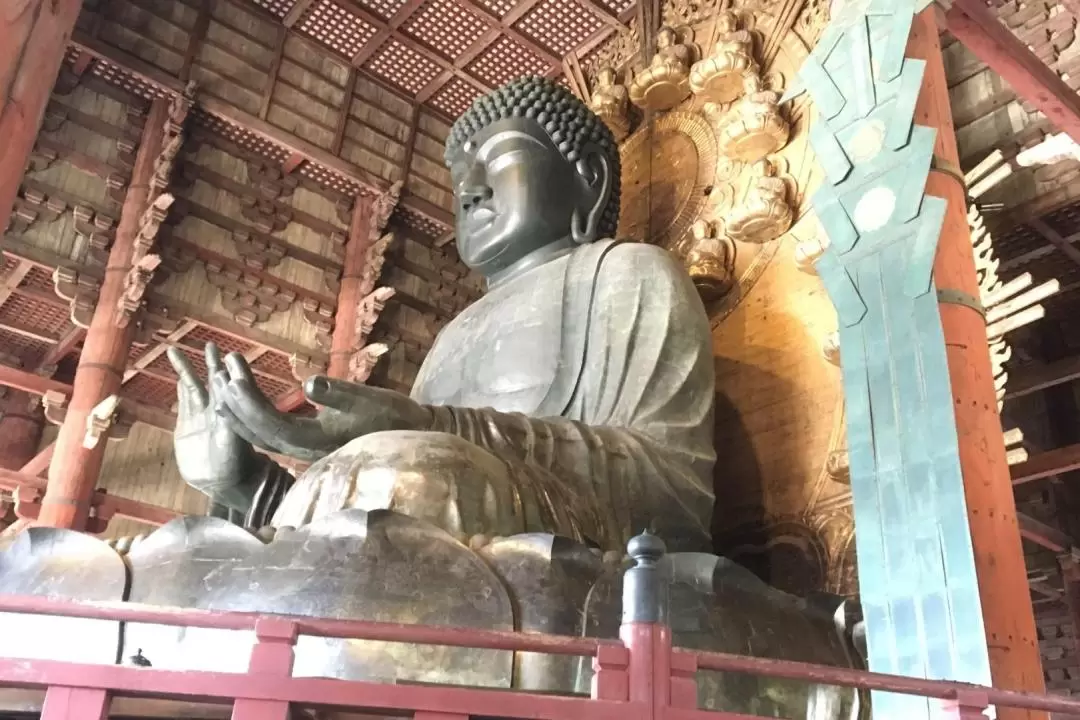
[(349, 295), (33, 38), (999, 557), (74, 470), (21, 423)]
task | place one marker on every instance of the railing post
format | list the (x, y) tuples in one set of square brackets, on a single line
[(74, 703), (967, 705), (273, 654), (657, 677)]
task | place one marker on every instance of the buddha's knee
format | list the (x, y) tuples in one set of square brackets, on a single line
[(436, 477)]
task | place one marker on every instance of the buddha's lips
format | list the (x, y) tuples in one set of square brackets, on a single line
[(479, 218)]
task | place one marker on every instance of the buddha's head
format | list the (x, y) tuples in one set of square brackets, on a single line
[(606, 77), (665, 38), (531, 167), (726, 22)]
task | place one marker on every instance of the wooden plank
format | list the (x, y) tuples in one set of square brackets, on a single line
[(38, 464), (1030, 380), (1046, 464), (292, 163), (972, 23)]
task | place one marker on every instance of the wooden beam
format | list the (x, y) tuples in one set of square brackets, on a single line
[(1054, 238), (171, 85), (63, 346), (296, 12), (345, 111), (195, 40), (38, 464), (292, 162), (410, 144), (972, 23), (11, 281), (158, 350), (385, 32), (272, 74), (33, 37), (18, 328), (1033, 379), (290, 400), (1046, 464), (1042, 534)]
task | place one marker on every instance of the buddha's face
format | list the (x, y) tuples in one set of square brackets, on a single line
[(515, 193)]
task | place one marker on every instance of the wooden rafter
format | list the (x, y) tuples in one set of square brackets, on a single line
[(64, 345), (1044, 535), (385, 32), (195, 40), (972, 23), (1046, 464), (1063, 245), (1030, 380), (272, 75), (171, 85), (9, 282)]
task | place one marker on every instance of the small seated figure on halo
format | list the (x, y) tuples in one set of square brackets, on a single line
[(666, 82), (608, 101), (765, 214)]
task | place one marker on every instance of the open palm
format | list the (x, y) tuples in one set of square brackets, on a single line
[(211, 456)]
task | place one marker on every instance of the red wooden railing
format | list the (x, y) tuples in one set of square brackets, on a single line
[(639, 677)]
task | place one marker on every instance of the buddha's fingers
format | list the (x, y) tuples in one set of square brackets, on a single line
[(328, 392), (220, 383), (190, 383), (299, 437)]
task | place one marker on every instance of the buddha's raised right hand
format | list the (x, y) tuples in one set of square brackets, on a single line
[(211, 456)]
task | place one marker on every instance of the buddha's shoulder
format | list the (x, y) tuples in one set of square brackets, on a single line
[(627, 261)]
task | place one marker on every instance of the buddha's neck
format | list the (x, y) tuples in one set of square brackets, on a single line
[(534, 259)]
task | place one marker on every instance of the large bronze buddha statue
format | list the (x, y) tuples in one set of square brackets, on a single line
[(575, 397), (568, 409)]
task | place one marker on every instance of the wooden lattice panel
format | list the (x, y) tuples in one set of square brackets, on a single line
[(38, 279), (403, 67), (419, 224), (498, 7), (336, 27), (618, 6), (10, 264), (115, 76), (201, 334), (280, 8), (162, 366), (241, 137), (274, 363), (505, 61), (446, 27), (150, 391), (454, 97), (273, 387), (33, 315), (28, 350), (330, 179), (383, 8), (559, 25)]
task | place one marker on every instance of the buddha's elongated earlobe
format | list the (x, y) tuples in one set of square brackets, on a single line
[(595, 169)]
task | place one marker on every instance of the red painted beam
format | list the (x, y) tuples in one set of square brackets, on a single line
[(40, 462), (33, 40), (972, 23), (342, 342)]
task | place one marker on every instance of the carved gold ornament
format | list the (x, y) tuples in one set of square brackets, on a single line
[(666, 82), (753, 128), (765, 213), (720, 77), (609, 103)]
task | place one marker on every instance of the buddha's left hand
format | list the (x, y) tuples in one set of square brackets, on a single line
[(349, 410)]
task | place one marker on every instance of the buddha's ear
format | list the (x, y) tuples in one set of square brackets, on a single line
[(594, 170)]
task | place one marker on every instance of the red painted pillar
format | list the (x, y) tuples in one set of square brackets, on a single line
[(33, 38), (74, 470), (341, 344), (21, 423), (995, 534)]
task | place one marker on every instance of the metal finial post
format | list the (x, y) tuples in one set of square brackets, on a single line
[(645, 585)]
